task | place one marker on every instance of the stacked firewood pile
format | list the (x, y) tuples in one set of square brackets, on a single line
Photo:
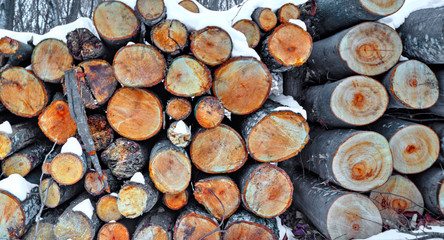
[(153, 131)]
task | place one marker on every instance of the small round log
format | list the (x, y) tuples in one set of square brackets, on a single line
[(353, 101), (97, 186), (157, 224), (178, 108), (56, 194), (242, 84), (244, 225), (139, 110), (113, 231), (14, 53), (175, 201), (194, 223), (209, 112), (84, 45), (189, 5), (45, 229), (286, 12), (264, 18), (438, 108), (68, 168), (187, 77), (430, 183), (50, 59), (265, 200), (101, 132), (22, 135), (123, 27), (211, 45), (150, 12), (179, 134), (251, 31), (218, 150), (107, 209), (139, 65), (56, 122), (170, 36)]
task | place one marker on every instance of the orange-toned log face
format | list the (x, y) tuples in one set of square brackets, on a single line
[(190, 6), (195, 226), (176, 201), (93, 184), (250, 30), (107, 209), (178, 108), (5, 145), (56, 122), (242, 84), (209, 112), (135, 113), (132, 201), (170, 36), (150, 9), (8, 45), (287, 12), (152, 233), (170, 171), (17, 163), (113, 231), (67, 168), (248, 230), (267, 19), (52, 193), (211, 45), (12, 217)]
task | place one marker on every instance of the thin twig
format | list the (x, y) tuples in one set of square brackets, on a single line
[(221, 221)]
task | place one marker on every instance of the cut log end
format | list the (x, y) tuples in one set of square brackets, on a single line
[(287, 12), (195, 226), (84, 45), (101, 132), (248, 230), (73, 225), (250, 30), (151, 11), (52, 193), (56, 122), (211, 45), (209, 112), (5, 145), (67, 168), (17, 163), (45, 232), (177, 137), (107, 209), (152, 232), (94, 185), (170, 36), (8, 45), (363, 162), (190, 6), (178, 108), (12, 217), (381, 7), (113, 231), (132, 200), (175, 201), (265, 18)]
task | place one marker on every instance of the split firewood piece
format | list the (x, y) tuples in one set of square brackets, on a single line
[(125, 157), (20, 136), (211, 45), (25, 160), (187, 77), (50, 59), (415, 147), (14, 53), (78, 221), (22, 93), (170, 167), (170, 36), (189, 5), (158, 224), (353, 101), (84, 45), (175, 201), (430, 183), (396, 196), (251, 31), (107, 209), (286, 12), (324, 18), (264, 18), (19, 204), (179, 134), (139, 65), (218, 150), (113, 231), (56, 194), (150, 12), (242, 84), (139, 110), (244, 225), (45, 226), (209, 112), (137, 196), (275, 133), (219, 195), (97, 185), (370, 48), (265, 200), (101, 132), (356, 160), (421, 35), (438, 108), (56, 122), (411, 84), (68, 168), (178, 108), (124, 25), (438, 128), (195, 223)]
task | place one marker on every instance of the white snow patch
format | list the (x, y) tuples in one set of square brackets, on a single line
[(227, 114), (138, 177), (86, 207), (181, 128), (402, 59), (72, 145), (299, 23), (17, 186), (114, 194), (289, 103), (284, 230), (6, 127), (29, 67), (130, 43), (396, 235)]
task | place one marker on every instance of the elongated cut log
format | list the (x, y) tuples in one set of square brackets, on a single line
[(370, 48), (244, 225), (211, 45), (251, 31), (209, 112), (274, 133), (68, 168), (101, 132), (265, 200), (123, 27), (430, 183), (139, 65), (107, 209), (242, 84), (175, 201), (56, 122), (218, 150), (84, 45), (187, 77), (170, 36), (264, 18), (396, 196), (438, 108), (22, 93), (414, 147), (288, 11), (170, 167), (22, 135), (219, 195), (158, 224), (422, 35), (194, 223), (353, 101), (96, 185), (113, 231), (50, 59), (14, 53), (150, 12), (139, 110), (178, 108), (189, 5), (56, 194)]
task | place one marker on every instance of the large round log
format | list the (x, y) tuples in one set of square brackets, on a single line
[(56, 122), (356, 160), (422, 36), (68, 168), (158, 224), (170, 36), (14, 53), (107, 209), (218, 150), (84, 45), (56, 194), (189, 5), (242, 84), (194, 223), (211, 45), (370, 48), (244, 225), (264, 18), (251, 31), (97, 185), (175, 201), (353, 101), (178, 108), (150, 12), (101, 132), (430, 183), (209, 112), (21, 136), (286, 12), (113, 231), (438, 108)]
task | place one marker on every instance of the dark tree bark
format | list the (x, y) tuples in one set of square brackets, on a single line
[(430, 184)]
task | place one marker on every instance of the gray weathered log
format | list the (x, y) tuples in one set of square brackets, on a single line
[(430, 184)]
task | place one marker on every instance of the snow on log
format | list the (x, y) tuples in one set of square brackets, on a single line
[(179, 134)]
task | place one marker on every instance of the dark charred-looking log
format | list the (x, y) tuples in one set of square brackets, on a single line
[(411, 84), (101, 132), (247, 72), (158, 224), (170, 36), (107, 209), (50, 59), (438, 108), (175, 201), (189, 5), (22, 135), (422, 35), (124, 25), (265, 200), (68, 168), (414, 147), (438, 128), (113, 231), (218, 150), (139, 110), (251, 31), (209, 112), (275, 133), (195, 223), (430, 183), (287, 12), (264, 18), (56, 122), (84, 45), (187, 77), (150, 12), (244, 225), (56, 194), (14, 53), (370, 48), (353, 101), (97, 186), (211, 45), (178, 108)]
